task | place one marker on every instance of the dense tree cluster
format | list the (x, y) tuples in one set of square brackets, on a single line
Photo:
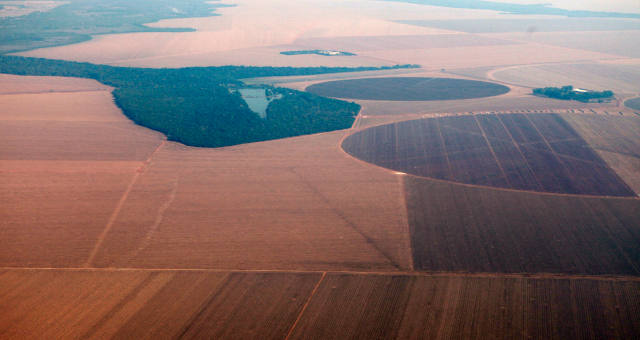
[(569, 93), (197, 105)]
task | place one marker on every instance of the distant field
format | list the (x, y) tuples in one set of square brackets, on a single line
[(528, 25), (538, 152), (593, 76), (401, 42), (407, 89), (633, 103), (610, 42)]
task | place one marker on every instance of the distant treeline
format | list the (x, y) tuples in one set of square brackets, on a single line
[(77, 20), (569, 93), (194, 105)]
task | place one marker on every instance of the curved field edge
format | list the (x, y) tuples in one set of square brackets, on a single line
[(408, 89), (198, 106), (633, 103), (523, 232), (525, 152)]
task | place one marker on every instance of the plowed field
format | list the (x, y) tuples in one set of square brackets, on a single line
[(535, 152), (407, 89)]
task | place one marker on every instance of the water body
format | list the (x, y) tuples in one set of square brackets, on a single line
[(257, 100)]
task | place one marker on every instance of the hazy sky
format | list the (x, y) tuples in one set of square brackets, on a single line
[(632, 6)]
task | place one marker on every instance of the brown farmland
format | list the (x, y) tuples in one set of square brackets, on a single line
[(451, 307), (520, 232), (107, 230), (146, 304), (617, 141), (536, 152), (150, 305)]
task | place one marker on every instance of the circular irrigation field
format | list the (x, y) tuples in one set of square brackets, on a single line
[(633, 103), (407, 89), (532, 152)]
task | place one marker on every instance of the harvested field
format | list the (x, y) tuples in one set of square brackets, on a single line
[(426, 307), (508, 102), (611, 42), (291, 210), (536, 152), (402, 42), (12, 84), (407, 89), (520, 232), (524, 53), (617, 141), (247, 27), (65, 160), (150, 305), (146, 304), (593, 76), (529, 26)]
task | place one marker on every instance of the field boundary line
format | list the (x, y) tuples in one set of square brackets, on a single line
[(119, 205), (477, 186), (368, 240), (541, 275), (306, 304)]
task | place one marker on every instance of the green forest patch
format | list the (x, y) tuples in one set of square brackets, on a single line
[(200, 106)]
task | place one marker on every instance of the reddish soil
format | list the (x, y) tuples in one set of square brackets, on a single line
[(292, 211), (423, 307), (146, 304)]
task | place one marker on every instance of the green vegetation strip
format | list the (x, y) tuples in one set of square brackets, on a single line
[(570, 93), (199, 106)]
